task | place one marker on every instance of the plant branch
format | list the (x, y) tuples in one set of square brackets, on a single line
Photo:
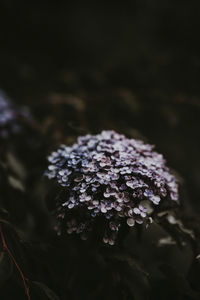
[(5, 248)]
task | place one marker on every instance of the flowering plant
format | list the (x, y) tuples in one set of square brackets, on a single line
[(10, 117), (111, 178)]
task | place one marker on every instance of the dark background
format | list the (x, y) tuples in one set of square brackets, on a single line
[(132, 66), (149, 49)]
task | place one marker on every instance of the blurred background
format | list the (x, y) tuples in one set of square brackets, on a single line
[(80, 67), (130, 66)]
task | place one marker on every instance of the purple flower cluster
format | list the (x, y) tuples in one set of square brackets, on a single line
[(108, 177), (9, 117)]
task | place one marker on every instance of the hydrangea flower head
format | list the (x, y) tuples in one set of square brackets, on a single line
[(107, 178), (10, 117)]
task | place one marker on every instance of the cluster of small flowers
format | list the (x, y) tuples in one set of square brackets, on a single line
[(108, 176), (9, 117)]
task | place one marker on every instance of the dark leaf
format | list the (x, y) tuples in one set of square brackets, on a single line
[(43, 291), (178, 282), (6, 267)]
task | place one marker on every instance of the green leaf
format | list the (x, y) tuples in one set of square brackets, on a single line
[(178, 281), (15, 183), (133, 263), (134, 276), (42, 290), (6, 267)]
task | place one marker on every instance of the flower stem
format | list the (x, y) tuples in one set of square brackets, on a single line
[(5, 248)]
